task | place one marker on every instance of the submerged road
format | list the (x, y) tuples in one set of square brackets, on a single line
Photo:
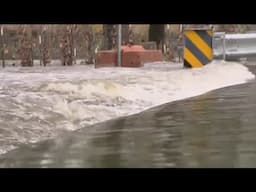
[(217, 129)]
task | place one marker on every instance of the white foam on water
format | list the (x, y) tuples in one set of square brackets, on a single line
[(49, 100), (140, 90)]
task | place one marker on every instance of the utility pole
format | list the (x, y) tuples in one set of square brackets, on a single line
[(40, 48), (180, 28), (119, 41)]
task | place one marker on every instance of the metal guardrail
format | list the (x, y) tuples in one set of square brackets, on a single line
[(234, 46)]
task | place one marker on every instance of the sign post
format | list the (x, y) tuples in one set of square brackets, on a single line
[(119, 40)]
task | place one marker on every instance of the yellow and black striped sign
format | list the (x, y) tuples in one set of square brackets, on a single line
[(198, 48)]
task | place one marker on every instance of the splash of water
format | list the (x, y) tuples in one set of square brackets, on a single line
[(41, 103)]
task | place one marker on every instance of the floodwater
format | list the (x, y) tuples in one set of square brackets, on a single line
[(216, 129)]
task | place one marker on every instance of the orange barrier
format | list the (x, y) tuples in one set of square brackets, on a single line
[(106, 58), (132, 56)]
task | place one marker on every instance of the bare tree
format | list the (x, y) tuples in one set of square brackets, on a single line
[(110, 35), (156, 33), (44, 46), (89, 46), (26, 49), (67, 46), (3, 46)]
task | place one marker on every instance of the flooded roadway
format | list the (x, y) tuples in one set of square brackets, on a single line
[(217, 129)]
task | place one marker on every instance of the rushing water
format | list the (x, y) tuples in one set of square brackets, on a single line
[(214, 129)]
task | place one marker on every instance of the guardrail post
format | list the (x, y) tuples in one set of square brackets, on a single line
[(224, 46), (119, 40)]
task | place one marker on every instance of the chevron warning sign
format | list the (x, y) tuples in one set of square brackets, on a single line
[(198, 47)]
